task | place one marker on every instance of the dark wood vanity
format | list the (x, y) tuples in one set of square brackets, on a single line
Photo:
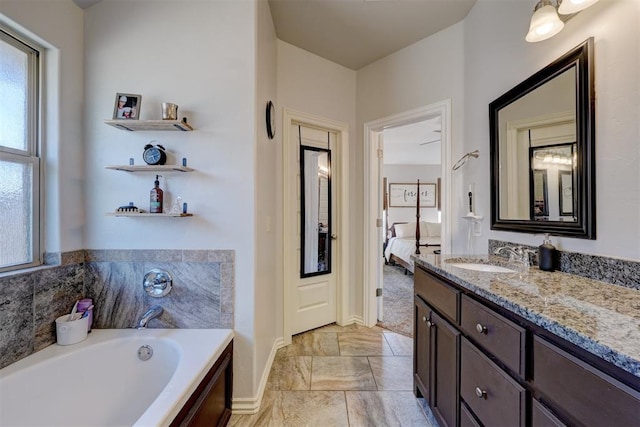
[(210, 403), (477, 363)]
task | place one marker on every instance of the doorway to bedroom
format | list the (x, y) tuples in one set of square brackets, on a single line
[(411, 169), (407, 191)]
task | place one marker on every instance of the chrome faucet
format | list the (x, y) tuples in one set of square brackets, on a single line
[(516, 254), (152, 313)]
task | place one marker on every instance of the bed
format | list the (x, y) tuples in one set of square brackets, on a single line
[(404, 239), (401, 242)]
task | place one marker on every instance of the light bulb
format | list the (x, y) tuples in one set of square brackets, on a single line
[(545, 22), (568, 7)]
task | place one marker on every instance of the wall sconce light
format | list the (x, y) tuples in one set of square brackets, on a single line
[(545, 22)]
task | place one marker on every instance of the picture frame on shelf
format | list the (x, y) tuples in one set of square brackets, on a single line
[(127, 106), (405, 195)]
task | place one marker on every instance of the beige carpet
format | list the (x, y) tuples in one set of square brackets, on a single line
[(398, 301)]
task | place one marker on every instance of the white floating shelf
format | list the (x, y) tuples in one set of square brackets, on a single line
[(142, 125), (147, 214), (472, 216), (150, 168)]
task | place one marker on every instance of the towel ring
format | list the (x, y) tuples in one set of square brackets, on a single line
[(464, 159)]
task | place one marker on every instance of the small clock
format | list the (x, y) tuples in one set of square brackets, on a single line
[(154, 154), (271, 120)]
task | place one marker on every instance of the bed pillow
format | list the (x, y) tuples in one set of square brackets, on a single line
[(433, 229), (406, 230)]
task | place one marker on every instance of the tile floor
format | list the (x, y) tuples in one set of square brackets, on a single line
[(340, 376)]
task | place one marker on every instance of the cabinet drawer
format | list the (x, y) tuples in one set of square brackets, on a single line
[(437, 293), (543, 417), (466, 419), (580, 392), (493, 396), (499, 336)]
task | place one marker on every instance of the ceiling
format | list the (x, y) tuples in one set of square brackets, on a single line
[(355, 33), (413, 144)]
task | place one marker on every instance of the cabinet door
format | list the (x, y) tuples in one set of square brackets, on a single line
[(543, 417), (421, 349), (580, 393), (445, 356)]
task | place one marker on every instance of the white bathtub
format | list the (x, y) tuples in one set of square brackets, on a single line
[(102, 382)]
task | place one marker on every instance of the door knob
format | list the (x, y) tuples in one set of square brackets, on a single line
[(334, 237)]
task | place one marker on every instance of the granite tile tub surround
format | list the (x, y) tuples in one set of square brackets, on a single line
[(30, 301), (602, 318), (611, 270), (201, 297)]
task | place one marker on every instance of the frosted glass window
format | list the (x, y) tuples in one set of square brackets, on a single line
[(19, 154), (16, 196), (13, 97)]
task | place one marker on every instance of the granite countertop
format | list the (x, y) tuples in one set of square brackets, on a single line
[(599, 317)]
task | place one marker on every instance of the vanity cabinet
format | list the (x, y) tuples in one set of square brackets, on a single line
[(210, 403), (437, 348), (478, 364)]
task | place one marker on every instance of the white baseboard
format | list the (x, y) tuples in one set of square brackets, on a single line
[(358, 320), (251, 405)]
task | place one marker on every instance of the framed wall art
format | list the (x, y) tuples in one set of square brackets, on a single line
[(405, 195)]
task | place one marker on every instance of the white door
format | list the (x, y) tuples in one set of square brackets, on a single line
[(380, 192), (315, 231)]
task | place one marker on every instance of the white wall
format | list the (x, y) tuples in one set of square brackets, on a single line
[(268, 305), (421, 74), (313, 85), (201, 56), (63, 112), (409, 174), (497, 58)]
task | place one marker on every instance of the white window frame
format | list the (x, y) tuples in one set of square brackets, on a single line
[(32, 154)]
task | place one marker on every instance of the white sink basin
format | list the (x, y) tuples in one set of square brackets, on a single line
[(482, 267)]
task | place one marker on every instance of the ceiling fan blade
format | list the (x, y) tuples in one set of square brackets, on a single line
[(429, 142)]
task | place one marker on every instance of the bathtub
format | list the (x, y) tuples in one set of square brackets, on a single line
[(102, 382)]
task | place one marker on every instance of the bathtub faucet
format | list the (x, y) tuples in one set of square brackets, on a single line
[(152, 313)]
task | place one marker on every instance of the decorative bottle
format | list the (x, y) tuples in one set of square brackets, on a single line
[(155, 197), (546, 255)]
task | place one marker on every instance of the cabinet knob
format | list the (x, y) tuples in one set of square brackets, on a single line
[(482, 394), (481, 328), (429, 324), (424, 318)]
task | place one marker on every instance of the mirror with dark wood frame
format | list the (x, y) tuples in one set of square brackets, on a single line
[(542, 142)]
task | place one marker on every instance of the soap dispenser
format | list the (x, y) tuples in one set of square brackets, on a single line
[(546, 255), (155, 197)]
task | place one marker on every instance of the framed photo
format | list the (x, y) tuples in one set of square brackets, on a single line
[(127, 106), (405, 195)]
